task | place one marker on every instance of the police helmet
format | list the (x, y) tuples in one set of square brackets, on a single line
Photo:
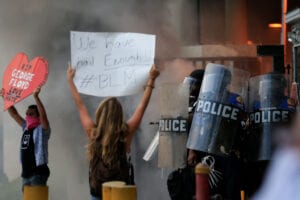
[(272, 83), (194, 81), (220, 72), (197, 74)]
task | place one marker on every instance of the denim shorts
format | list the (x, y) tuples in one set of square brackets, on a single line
[(95, 198), (35, 180)]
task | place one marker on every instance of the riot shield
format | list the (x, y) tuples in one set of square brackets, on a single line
[(173, 125), (220, 110), (269, 108)]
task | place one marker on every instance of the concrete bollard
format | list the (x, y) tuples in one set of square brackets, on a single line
[(107, 188), (117, 190), (35, 193)]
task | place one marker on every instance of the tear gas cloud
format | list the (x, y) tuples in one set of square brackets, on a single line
[(41, 28)]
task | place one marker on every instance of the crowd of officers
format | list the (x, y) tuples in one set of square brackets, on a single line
[(235, 131)]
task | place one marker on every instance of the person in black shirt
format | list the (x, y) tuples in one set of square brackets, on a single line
[(34, 142)]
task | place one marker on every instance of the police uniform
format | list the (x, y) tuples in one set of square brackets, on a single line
[(268, 111), (216, 127), (229, 165)]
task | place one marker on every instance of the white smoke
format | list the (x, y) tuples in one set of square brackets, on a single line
[(41, 28)]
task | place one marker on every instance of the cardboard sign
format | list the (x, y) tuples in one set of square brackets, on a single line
[(111, 64), (22, 77)]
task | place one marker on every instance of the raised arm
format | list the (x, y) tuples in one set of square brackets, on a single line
[(15, 115), (137, 116), (85, 118), (41, 109), (13, 112)]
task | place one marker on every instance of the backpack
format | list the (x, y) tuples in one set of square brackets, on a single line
[(181, 184)]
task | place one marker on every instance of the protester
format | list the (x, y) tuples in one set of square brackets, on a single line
[(109, 136), (34, 142)]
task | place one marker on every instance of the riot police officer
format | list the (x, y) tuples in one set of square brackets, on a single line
[(269, 109), (215, 128), (194, 80), (181, 182)]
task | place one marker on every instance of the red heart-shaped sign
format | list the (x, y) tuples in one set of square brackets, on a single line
[(21, 78)]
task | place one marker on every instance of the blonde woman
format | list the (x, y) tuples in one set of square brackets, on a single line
[(109, 136)]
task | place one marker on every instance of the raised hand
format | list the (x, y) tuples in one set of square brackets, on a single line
[(70, 72), (36, 92), (154, 73)]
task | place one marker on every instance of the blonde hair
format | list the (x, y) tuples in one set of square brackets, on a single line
[(109, 131)]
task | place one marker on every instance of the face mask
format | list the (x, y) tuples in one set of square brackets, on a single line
[(32, 122), (194, 86)]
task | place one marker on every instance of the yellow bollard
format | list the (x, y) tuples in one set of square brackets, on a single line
[(126, 192), (35, 193), (117, 190), (243, 195), (107, 187)]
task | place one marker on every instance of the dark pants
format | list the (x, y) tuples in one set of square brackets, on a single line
[(253, 175), (35, 181)]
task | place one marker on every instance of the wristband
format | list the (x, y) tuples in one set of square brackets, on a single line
[(151, 86)]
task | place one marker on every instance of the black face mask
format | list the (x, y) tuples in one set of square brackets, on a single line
[(194, 86)]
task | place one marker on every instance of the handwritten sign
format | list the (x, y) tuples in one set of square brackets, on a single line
[(21, 78), (111, 64)]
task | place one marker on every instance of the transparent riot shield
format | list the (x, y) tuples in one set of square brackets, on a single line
[(173, 125), (220, 110), (269, 108)]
